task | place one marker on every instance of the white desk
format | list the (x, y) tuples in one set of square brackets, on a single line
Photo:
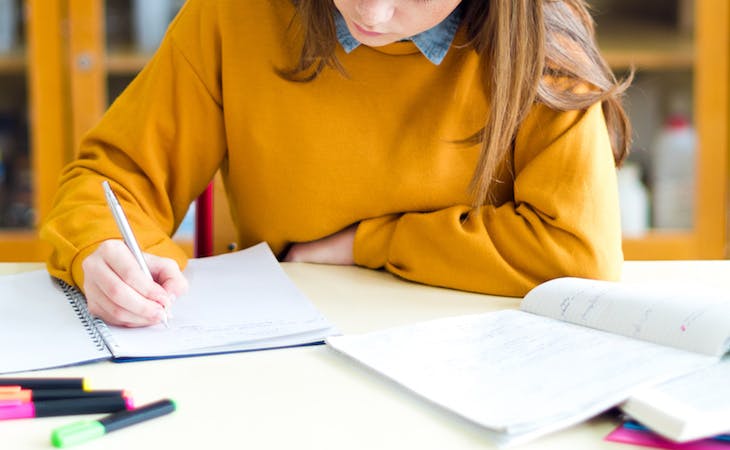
[(312, 397)]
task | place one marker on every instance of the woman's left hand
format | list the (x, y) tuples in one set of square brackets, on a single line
[(333, 249)]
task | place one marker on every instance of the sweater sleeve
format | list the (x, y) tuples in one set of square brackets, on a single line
[(159, 145), (562, 220)]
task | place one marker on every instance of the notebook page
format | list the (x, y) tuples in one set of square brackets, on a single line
[(690, 317), (515, 372), (235, 298), (39, 327)]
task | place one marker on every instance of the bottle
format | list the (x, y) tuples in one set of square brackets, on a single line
[(673, 174), (150, 19), (633, 200)]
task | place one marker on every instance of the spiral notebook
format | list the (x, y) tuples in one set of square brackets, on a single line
[(236, 302)]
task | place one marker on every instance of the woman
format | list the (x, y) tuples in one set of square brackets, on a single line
[(469, 144)]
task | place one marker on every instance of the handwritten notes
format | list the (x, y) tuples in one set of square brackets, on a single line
[(575, 348), (516, 373), (681, 316)]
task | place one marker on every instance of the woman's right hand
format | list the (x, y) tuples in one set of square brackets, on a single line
[(118, 291)]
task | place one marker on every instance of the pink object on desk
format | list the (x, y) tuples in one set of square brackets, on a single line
[(636, 437)]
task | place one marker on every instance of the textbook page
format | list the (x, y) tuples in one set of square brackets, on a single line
[(237, 301), (690, 407), (690, 317), (518, 374), (38, 327)]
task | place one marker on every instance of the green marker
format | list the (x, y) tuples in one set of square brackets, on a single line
[(86, 430)]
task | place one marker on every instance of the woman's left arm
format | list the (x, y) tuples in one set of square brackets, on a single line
[(562, 220)]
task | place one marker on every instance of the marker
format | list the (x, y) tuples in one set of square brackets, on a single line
[(65, 407), (86, 430), (46, 383), (126, 230), (28, 395)]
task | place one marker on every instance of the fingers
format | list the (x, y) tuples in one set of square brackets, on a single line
[(122, 308), (168, 275), (119, 292)]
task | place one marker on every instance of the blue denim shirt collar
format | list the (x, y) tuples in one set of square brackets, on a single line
[(433, 43)]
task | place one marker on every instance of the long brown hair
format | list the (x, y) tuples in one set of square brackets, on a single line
[(531, 51)]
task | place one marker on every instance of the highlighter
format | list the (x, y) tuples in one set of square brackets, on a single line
[(86, 430), (46, 383), (69, 406), (31, 395)]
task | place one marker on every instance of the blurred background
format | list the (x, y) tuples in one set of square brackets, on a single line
[(63, 61)]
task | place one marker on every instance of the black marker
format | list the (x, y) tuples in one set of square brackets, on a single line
[(85, 430), (65, 407), (45, 383)]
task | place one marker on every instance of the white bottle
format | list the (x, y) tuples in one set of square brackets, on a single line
[(633, 200), (673, 174), (150, 19)]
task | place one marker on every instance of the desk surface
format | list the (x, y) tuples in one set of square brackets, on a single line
[(312, 397)]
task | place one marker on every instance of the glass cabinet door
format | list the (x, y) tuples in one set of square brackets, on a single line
[(672, 188), (34, 113), (16, 205)]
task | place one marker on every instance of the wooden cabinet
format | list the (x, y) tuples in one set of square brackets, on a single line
[(55, 80), (680, 51), (76, 55), (32, 79)]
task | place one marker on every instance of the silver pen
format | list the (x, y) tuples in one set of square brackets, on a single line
[(123, 224)]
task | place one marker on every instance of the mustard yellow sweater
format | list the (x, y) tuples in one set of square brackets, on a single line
[(303, 160)]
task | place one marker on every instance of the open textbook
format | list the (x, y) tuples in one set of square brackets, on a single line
[(236, 302), (575, 348)]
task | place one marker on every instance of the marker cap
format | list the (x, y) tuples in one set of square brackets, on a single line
[(9, 389), (21, 394), (76, 433), (19, 411)]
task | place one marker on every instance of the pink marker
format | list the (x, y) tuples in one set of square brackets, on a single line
[(71, 406)]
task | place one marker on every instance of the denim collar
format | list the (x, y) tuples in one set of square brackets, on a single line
[(433, 43)]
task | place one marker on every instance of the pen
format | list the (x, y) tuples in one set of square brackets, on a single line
[(45, 383), (85, 430), (123, 224), (47, 408)]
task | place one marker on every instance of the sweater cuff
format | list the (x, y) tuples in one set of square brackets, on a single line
[(372, 241), (77, 272)]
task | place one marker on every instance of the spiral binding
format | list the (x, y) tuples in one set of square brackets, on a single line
[(78, 303)]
